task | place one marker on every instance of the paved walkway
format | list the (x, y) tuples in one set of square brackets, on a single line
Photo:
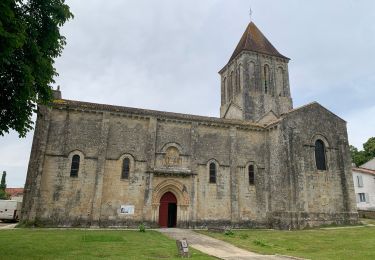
[(215, 247), (8, 226)]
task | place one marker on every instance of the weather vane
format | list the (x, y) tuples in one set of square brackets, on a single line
[(250, 13)]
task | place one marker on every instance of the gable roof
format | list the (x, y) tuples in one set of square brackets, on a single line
[(254, 40), (363, 170), (369, 165), (14, 192)]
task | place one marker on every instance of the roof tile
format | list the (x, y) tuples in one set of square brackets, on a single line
[(254, 40)]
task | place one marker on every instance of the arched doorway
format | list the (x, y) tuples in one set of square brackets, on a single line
[(168, 210)]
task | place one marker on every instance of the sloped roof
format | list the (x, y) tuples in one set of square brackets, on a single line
[(369, 165), (363, 170), (254, 40), (14, 192), (73, 104)]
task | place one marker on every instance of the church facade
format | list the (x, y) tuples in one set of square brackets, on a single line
[(261, 164)]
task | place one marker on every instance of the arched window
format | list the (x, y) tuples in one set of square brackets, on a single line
[(238, 81), (280, 82), (266, 79), (125, 168), (230, 86), (212, 172), (251, 175), (225, 90), (74, 168), (251, 75), (320, 155)]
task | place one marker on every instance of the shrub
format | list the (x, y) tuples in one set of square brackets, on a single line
[(142, 227), (228, 232)]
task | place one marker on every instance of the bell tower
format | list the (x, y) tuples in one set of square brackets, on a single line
[(255, 81)]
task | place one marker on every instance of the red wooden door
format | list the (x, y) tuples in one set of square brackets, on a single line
[(166, 199)]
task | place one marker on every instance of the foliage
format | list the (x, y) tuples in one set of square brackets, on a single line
[(261, 243), (142, 227), (328, 243), (29, 42), (3, 183), (39, 243), (4, 195), (365, 155), (3, 186), (228, 232)]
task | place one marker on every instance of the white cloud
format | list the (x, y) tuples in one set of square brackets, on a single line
[(361, 126)]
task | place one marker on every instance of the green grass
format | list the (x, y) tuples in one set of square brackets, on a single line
[(88, 244), (367, 221), (341, 243)]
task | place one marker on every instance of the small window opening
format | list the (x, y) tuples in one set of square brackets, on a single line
[(212, 173), (251, 175), (75, 166), (320, 156), (266, 78), (125, 168)]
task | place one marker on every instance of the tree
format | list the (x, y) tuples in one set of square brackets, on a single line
[(3, 186), (29, 41), (365, 155), (369, 147)]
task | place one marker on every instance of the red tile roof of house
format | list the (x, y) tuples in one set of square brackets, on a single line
[(14, 192), (363, 170)]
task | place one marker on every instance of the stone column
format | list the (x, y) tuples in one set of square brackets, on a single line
[(233, 175), (100, 168), (150, 153), (193, 165), (32, 195)]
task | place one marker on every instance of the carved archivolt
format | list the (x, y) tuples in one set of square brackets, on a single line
[(176, 187)]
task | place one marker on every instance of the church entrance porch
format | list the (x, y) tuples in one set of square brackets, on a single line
[(168, 210)]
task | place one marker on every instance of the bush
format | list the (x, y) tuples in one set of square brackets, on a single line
[(228, 232), (261, 243), (244, 236), (142, 227)]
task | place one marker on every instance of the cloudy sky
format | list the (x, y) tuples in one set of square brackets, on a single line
[(165, 55)]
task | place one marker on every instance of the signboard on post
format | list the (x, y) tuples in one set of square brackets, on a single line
[(183, 247), (127, 209)]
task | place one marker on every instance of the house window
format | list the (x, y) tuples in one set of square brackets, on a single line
[(75, 166), (125, 168), (362, 197), (320, 155), (359, 181), (212, 173), (251, 175)]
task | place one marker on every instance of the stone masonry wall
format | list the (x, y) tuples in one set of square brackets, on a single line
[(171, 154)]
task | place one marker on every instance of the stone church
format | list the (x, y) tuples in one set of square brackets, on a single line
[(263, 163)]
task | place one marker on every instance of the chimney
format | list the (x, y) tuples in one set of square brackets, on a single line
[(56, 93)]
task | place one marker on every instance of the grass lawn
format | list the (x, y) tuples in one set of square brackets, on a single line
[(89, 244), (368, 221), (342, 243)]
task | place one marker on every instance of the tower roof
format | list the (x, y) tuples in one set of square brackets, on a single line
[(254, 40)]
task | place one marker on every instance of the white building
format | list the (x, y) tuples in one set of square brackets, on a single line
[(364, 186)]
